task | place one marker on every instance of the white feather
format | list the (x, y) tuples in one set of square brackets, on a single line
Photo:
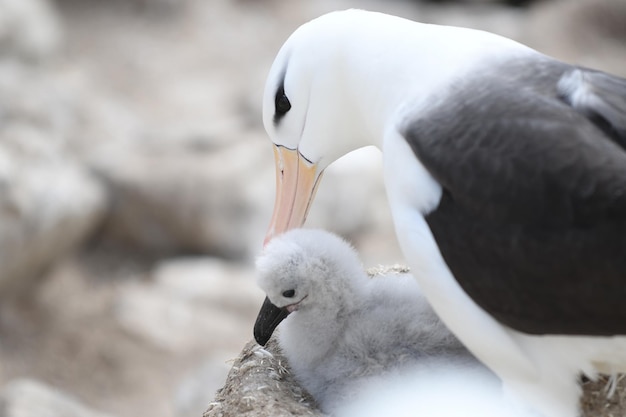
[(432, 390)]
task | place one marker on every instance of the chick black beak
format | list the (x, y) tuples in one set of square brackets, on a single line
[(268, 319)]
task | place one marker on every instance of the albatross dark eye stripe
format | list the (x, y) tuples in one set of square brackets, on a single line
[(281, 104)]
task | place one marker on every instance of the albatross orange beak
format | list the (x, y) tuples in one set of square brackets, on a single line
[(296, 183)]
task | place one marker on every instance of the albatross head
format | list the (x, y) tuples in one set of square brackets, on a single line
[(317, 106)]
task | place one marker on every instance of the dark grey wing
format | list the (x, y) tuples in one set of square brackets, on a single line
[(532, 220), (599, 96)]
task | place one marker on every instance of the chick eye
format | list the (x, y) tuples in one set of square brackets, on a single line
[(289, 293), (281, 102)]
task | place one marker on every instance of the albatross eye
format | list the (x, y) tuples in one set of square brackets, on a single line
[(289, 293), (281, 102)]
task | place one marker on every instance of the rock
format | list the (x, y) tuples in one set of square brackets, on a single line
[(29, 29), (227, 286), (156, 8), (174, 197), (191, 305), (347, 209), (31, 398), (48, 205), (198, 388), (585, 32)]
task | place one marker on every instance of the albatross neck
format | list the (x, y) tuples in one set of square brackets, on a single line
[(390, 73)]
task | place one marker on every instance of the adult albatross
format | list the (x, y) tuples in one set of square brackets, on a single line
[(505, 171)]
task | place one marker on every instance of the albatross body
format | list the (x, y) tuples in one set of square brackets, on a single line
[(505, 172)]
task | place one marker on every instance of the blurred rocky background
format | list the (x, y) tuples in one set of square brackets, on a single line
[(136, 183)]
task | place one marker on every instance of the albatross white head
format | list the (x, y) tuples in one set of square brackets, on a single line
[(313, 107)]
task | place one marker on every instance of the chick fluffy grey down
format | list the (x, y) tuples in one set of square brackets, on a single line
[(346, 328)]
